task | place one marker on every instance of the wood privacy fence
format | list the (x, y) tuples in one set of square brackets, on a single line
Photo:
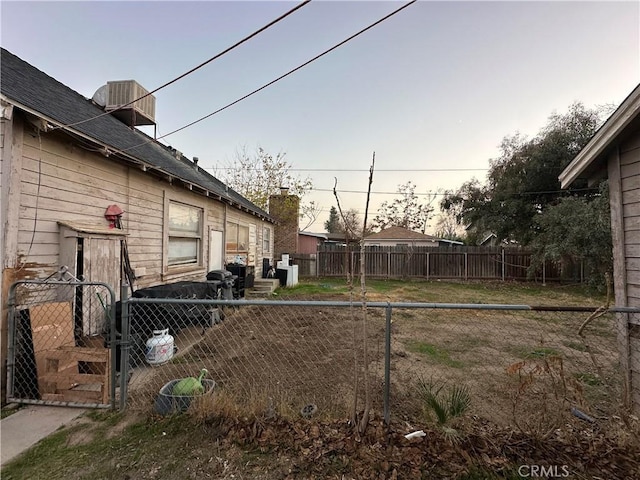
[(463, 263)]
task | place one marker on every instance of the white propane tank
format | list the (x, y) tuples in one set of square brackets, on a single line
[(159, 347)]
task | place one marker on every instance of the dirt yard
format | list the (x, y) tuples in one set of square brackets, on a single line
[(524, 369)]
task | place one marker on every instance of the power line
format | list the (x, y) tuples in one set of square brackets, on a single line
[(431, 193), (362, 170), (206, 62), (364, 191), (276, 80)]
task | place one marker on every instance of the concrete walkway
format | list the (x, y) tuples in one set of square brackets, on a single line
[(23, 429)]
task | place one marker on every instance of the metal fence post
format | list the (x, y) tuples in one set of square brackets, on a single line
[(124, 344), (387, 364), (113, 347), (11, 339)]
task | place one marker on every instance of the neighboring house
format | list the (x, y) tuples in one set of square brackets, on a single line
[(403, 237), (489, 240), (614, 152), (59, 175), (309, 243), (339, 238)]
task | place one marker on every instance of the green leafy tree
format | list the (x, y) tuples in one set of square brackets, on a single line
[(577, 229), (406, 211), (523, 182), (333, 224)]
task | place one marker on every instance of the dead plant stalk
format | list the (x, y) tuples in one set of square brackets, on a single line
[(364, 421)]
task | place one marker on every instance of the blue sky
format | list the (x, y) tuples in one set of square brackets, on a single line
[(436, 86)]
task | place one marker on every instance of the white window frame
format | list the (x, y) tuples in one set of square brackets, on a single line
[(233, 229), (266, 240), (176, 234)]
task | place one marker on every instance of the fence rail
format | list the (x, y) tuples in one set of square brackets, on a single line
[(515, 360), (464, 263)]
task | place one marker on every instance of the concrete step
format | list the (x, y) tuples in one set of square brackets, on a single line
[(263, 287)]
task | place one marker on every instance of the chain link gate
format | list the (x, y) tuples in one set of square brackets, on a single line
[(62, 341)]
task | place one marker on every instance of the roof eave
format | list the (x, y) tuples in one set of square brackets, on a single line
[(110, 150), (614, 125)]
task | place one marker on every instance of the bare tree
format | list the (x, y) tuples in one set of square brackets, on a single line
[(405, 211), (364, 420), (448, 226), (259, 175), (363, 290), (309, 212)]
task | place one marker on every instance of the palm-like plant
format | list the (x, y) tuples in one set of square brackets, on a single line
[(444, 404)]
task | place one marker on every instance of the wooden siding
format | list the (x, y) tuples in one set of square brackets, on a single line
[(628, 157), (624, 187), (61, 181)]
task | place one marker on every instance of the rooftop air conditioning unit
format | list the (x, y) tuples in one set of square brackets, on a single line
[(120, 94)]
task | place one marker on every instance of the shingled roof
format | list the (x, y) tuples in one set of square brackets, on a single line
[(400, 233), (34, 91)]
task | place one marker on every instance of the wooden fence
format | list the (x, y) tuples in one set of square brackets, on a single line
[(463, 263)]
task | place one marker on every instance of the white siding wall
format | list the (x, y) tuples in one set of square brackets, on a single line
[(62, 181)]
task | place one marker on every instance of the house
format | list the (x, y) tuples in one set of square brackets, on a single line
[(403, 237), (309, 243), (614, 152), (65, 161), (489, 240)]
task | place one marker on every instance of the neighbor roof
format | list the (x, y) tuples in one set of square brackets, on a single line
[(311, 234), (400, 233), (35, 92), (587, 161)]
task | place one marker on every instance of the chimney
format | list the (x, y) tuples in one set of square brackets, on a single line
[(285, 209)]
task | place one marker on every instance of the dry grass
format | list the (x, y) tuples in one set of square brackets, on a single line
[(278, 359)]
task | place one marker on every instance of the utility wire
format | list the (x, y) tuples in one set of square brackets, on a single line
[(362, 170), (277, 79), (235, 45), (515, 194)]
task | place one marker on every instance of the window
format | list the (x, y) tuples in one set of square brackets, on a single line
[(266, 240), (185, 234), (237, 238)]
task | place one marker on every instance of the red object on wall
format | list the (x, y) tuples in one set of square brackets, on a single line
[(112, 213)]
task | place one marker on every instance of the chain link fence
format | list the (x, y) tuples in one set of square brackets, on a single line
[(521, 366), (525, 367), (261, 354), (60, 341)]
